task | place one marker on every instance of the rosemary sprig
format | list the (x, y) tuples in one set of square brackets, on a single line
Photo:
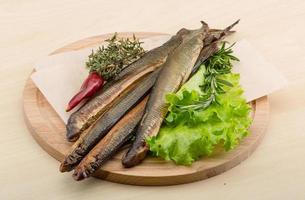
[(217, 65), (111, 60)]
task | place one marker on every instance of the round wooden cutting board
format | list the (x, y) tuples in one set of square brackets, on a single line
[(49, 131)]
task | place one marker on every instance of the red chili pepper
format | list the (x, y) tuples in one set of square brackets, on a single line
[(89, 87)]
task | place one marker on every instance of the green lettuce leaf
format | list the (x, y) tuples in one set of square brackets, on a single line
[(187, 136)]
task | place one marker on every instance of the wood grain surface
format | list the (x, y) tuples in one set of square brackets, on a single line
[(31, 29), (49, 131)]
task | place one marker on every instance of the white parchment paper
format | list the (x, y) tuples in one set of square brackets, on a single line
[(60, 76)]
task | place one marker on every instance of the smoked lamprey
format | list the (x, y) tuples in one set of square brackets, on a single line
[(174, 73)]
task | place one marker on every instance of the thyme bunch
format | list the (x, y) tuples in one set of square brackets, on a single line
[(111, 60)]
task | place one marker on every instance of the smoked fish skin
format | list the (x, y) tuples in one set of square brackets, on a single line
[(174, 73), (111, 143)]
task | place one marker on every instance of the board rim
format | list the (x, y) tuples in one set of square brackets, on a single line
[(261, 110)]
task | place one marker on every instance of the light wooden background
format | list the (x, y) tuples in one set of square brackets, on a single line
[(30, 29)]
